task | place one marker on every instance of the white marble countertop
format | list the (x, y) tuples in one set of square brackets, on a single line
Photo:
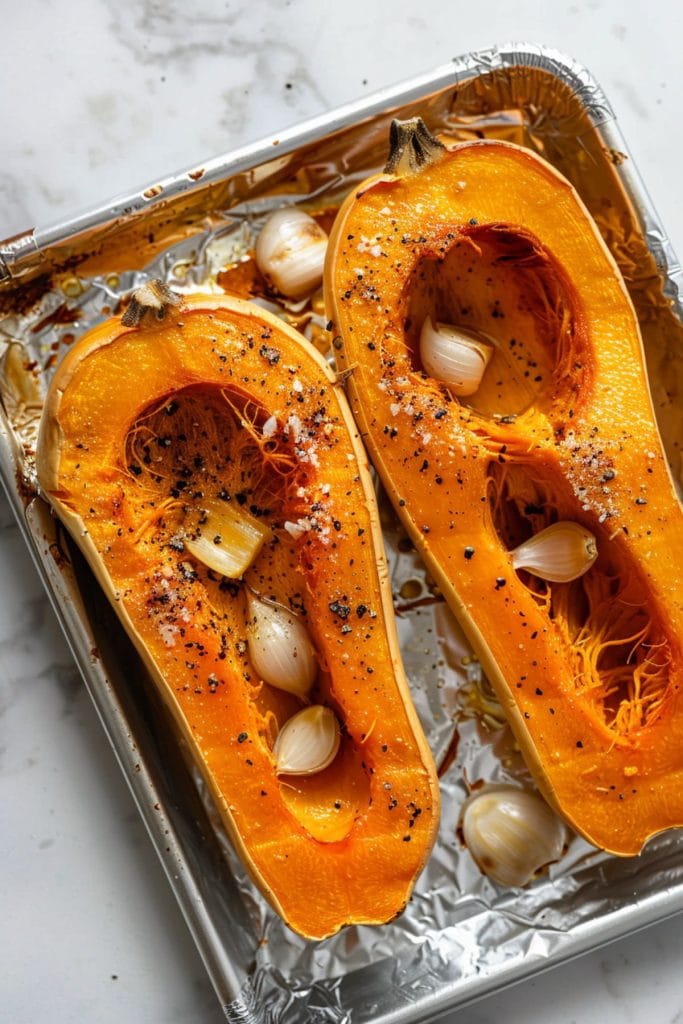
[(96, 99)]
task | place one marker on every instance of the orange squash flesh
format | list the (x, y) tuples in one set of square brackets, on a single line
[(140, 425), (489, 237)]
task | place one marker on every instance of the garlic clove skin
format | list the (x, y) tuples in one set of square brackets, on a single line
[(280, 647), (454, 355), (560, 553), (227, 540), (308, 742), (290, 252), (512, 833)]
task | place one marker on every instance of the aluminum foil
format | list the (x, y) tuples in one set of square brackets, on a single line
[(461, 935)]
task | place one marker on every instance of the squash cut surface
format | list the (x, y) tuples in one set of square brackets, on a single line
[(220, 401), (489, 238)]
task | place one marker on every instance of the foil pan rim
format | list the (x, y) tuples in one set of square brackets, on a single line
[(24, 249)]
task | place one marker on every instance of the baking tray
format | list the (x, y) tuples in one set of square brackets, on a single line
[(461, 936)]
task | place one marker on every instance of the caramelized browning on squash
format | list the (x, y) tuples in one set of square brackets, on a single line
[(489, 238), (223, 403)]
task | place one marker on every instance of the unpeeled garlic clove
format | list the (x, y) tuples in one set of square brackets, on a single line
[(290, 252), (560, 553), (227, 539), (308, 742), (511, 833), (280, 647), (454, 355)]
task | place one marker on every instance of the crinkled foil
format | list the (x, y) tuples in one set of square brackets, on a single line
[(461, 935)]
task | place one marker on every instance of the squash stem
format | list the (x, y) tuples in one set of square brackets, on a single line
[(411, 146), (155, 296)]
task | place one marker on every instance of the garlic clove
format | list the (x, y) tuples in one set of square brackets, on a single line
[(511, 833), (226, 540), (290, 252), (308, 742), (454, 355), (560, 553), (280, 647)]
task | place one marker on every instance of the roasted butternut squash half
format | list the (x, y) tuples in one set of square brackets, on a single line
[(496, 372), (207, 465)]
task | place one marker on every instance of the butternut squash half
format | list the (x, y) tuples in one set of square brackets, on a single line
[(220, 405), (488, 238)]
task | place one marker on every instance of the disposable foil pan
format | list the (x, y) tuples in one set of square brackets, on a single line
[(461, 936)]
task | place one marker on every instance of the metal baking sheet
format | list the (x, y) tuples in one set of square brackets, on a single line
[(461, 936)]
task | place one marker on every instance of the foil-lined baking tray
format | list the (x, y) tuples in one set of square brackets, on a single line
[(461, 936)]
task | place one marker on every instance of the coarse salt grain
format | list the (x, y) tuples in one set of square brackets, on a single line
[(168, 633), (299, 528), (370, 245), (294, 426), (270, 426)]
